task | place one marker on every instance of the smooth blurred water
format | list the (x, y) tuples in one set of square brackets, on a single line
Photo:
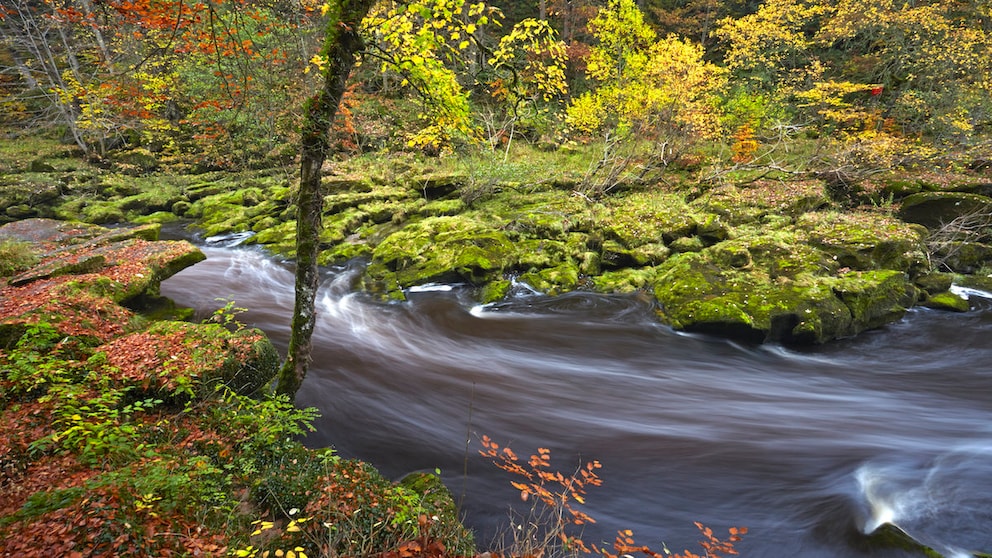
[(808, 448)]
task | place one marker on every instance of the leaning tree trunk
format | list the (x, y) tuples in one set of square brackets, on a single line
[(341, 45)]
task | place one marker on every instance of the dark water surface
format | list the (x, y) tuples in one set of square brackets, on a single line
[(807, 448)]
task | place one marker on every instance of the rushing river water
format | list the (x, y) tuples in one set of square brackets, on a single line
[(808, 448)]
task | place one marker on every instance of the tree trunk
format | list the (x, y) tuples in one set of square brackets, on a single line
[(341, 44)]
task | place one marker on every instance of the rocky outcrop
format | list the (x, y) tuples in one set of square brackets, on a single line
[(766, 260)]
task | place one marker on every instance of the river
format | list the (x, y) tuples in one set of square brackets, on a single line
[(808, 448)]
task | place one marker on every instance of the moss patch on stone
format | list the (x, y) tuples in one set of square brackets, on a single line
[(439, 249)]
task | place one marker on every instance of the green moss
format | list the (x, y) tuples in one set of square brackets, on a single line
[(16, 256), (697, 293), (624, 280), (890, 536), (981, 280), (495, 291), (389, 210), (441, 249), (554, 280), (731, 254), (340, 225), (102, 212), (935, 282), (548, 214), (687, 244), (874, 297), (711, 229), (540, 253), (644, 217), (157, 217), (160, 198), (865, 241), (443, 208), (947, 301), (342, 200), (343, 252)]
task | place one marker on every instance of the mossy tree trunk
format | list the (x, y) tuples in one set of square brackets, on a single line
[(341, 45)]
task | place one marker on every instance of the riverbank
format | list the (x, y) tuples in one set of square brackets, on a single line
[(128, 433), (757, 256)]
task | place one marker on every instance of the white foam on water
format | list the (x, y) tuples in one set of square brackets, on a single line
[(431, 288), (966, 292), (890, 496)]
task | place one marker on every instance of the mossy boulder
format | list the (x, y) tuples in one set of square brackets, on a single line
[(981, 280), (447, 249), (624, 280), (963, 257), (638, 218), (935, 209), (947, 301), (695, 293), (889, 536), (495, 291), (936, 282), (553, 280), (865, 241), (874, 298), (707, 292)]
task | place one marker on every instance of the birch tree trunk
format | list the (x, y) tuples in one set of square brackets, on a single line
[(341, 44)]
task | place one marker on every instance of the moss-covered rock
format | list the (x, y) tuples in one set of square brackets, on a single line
[(495, 291), (553, 280), (874, 298), (439, 249), (701, 292), (947, 301), (889, 536), (864, 241), (686, 244), (934, 209), (981, 280), (624, 280), (936, 282), (963, 257), (638, 218)]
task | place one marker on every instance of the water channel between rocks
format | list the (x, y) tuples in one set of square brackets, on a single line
[(808, 448)]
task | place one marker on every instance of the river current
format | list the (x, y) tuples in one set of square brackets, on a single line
[(808, 448)]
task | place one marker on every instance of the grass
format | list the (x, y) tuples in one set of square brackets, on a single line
[(15, 256)]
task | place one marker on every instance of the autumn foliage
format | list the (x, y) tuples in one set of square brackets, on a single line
[(557, 498), (125, 437)]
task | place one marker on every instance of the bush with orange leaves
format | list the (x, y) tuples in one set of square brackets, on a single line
[(545, 531)]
